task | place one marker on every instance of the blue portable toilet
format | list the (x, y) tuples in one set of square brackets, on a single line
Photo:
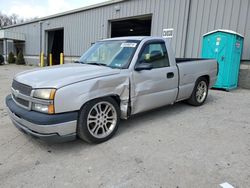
[(225, 46)]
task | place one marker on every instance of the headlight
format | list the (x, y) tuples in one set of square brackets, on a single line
[(44, 93), (44, 106)]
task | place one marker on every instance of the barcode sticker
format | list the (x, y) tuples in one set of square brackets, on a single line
[(128, 45)]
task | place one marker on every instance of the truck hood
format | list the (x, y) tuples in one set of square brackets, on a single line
[(62, 75)]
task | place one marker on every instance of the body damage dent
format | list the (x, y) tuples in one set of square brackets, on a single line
[(116, 87), (80, 93)]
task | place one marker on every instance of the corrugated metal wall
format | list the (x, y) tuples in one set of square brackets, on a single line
[(89, 26), (189, 18), (208, 15), (31, 32)]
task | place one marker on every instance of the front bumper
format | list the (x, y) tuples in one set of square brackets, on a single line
[(50, 128)]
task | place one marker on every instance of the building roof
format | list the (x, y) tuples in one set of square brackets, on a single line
[(68, 12)]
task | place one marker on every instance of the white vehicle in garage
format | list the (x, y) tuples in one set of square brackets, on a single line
[(114, 79)]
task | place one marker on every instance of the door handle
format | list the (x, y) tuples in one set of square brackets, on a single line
[(170, 75)]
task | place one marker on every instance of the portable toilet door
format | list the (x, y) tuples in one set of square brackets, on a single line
[(226, 47)]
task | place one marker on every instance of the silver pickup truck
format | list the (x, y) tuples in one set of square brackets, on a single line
[(114, 79)]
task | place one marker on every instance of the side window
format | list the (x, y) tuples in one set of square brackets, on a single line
[(155, 53)]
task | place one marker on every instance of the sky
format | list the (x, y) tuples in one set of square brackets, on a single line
[(39, 8)]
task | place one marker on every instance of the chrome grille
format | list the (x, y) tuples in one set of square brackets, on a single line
[(21, 101), (22, 88)]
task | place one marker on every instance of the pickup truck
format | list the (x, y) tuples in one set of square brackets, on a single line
[(114, 79)]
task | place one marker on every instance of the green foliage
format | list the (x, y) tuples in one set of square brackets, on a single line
[(1, 59), (11, 58), (20, 59)]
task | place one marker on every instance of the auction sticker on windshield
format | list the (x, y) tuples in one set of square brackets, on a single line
[(128, 45)]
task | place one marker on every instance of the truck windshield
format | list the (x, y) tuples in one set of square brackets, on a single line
[(114, 54)]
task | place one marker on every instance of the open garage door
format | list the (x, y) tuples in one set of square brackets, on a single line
[(131, 27), (55, 45)]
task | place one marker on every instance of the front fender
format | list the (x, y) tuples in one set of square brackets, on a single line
[(74, 96)]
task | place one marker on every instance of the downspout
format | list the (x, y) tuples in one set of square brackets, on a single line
[(5, 49), (40, 42), (186, 35)]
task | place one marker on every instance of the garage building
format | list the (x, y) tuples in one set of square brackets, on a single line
[(74, 31)]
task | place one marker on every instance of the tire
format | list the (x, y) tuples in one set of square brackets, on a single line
[(98, 120), (200, 92)]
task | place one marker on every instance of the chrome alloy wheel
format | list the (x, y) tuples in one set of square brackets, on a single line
[(201, 91), (102, 119)]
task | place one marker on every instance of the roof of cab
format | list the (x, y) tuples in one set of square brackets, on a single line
[(139, 38)]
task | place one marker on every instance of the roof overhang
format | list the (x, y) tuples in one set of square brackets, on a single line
[(12, 35)]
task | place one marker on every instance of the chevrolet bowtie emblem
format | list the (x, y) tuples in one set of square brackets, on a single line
[(16, 93)]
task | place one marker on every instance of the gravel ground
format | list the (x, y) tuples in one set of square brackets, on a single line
[(177, 146)]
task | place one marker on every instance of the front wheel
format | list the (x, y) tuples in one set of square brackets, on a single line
[(200, 92), (98, 120)]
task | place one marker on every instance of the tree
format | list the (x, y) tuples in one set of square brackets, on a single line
[(6, 20), (20, 59), (11, 58)]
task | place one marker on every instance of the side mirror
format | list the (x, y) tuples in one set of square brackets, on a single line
[(143, 66), (156, 55)]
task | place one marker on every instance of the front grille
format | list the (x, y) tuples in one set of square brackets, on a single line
[(21, 101), (22, 88)]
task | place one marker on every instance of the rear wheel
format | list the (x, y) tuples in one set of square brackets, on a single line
[(98, 120), (200, 92)]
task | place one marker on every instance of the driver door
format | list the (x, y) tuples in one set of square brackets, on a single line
[(157, 86)]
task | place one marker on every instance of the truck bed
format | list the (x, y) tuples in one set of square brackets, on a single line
[(192, 68)]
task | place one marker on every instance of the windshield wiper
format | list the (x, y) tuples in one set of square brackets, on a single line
[(93, 63), (78, 62), (96, 63)]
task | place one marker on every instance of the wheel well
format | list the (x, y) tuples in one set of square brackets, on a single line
[(207, 78), (115, 97)]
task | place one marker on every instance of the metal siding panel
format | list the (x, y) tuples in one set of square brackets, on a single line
[(197, 31), (212, 15), (31, 32), (246, 49), (175, 25), (160, 8), (242, 17), (235, 15), (206, 12), (154, 20), (180, 26), (171, 12), (227, 14), (185, 28), (191, 28), (144, 6), (167, 8), (220, 14)]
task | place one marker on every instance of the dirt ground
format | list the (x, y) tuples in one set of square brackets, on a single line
[(177, 146)]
